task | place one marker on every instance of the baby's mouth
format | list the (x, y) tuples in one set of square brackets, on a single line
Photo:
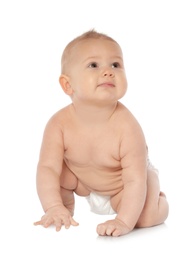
[(107, 85)]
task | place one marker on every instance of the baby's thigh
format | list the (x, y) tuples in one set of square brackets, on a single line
[(67, 179), (153, 187), (115, 201)]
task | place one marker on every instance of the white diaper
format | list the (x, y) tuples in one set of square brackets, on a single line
[(151, 167), (100, 204)]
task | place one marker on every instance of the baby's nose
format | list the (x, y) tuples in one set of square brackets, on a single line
[(108, 73)]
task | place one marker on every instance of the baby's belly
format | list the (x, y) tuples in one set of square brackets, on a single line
[(104, 181)]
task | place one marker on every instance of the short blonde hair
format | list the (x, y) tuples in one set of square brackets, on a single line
[(91, 34)]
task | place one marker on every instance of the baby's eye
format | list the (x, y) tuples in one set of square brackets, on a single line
[(93, 65), (116, 65)]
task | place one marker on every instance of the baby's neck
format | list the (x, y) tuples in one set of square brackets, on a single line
[(94, 114)]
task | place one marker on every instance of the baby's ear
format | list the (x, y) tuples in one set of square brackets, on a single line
[(64, 82)]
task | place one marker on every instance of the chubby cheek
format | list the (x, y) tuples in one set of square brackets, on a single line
[(122, 87), (77, 83), (90, 79), (87, 83)]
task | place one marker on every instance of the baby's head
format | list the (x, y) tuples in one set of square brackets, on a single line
[(91, 34), (92, 69)]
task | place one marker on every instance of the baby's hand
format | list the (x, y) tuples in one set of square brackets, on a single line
[(114, 227), (57, 216)]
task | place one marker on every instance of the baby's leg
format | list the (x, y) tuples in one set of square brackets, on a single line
[(70, 184), (156, 208)]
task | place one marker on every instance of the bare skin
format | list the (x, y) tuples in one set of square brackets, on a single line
[(96, 145)]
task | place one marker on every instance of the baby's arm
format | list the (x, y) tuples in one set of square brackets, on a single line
[(130, 202), (48, 178)]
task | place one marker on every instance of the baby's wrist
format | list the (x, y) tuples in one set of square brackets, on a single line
[(53, 206), (123, 222)]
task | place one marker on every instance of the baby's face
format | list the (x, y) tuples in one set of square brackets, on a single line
[(96, 71)]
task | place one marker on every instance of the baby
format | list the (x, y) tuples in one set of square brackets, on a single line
[(95, 147)]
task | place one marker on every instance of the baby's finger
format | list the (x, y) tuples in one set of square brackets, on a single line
[(109, 230), (69, 221), (74, 223), (116, 233), (48, 222), (58, 225), (38, 223), (101, 230)]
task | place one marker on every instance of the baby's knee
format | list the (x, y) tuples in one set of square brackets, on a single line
[(163, 208), (155, 215)]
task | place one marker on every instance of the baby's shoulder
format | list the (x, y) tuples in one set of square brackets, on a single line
[(61, 117), (126, 119), (123, 113), (130, 129)]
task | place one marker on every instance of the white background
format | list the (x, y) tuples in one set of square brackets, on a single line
[(157, 38)]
